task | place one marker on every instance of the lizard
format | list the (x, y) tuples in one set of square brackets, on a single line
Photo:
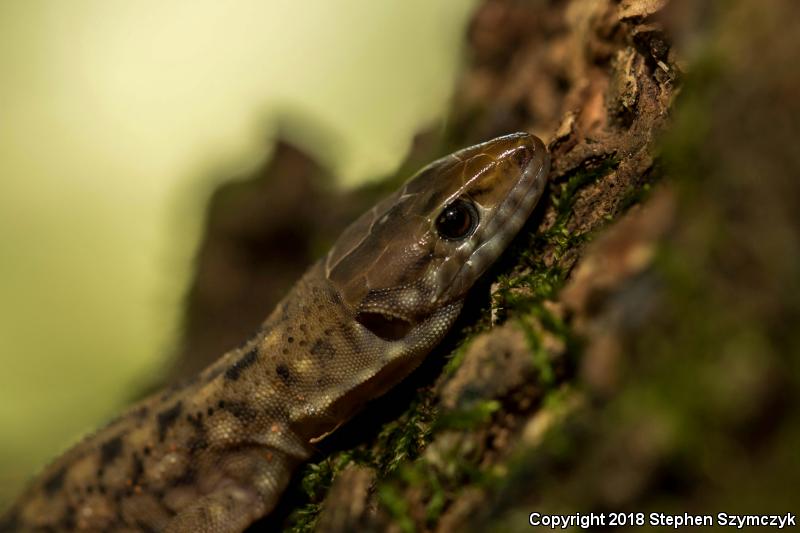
[(214, 453)]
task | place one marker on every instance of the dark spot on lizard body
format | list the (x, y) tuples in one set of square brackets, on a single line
[(110, 450), (235, 370), (67, 521), (137, 469), (199, 441), (167, 418), (241, 411), (284, 373), (322, 349), (55, 482)]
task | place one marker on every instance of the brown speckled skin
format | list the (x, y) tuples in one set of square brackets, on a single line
[(216, 453)]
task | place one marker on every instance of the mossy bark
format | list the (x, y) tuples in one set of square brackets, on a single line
[(637, 351)]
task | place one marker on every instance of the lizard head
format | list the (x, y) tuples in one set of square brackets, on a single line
[(422, 248)]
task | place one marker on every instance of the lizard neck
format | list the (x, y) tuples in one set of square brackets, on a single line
[(311, 366)]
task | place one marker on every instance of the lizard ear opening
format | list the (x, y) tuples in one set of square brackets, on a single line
[(388, 328)]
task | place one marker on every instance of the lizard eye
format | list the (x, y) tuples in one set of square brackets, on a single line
[(457, 220)]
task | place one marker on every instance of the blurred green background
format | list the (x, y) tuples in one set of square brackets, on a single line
[(117, 120)]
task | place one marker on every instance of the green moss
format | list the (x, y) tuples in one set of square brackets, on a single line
[(393, 501), (523, 292), (589, 173), (433, 485), (635, 194), (303, 519), (455, 359), (477, 414), (438, 498), (404, 439), (541, 358), (316, 480), (418, 474)]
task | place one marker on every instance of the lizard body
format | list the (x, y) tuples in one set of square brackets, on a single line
[(215, 453)]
